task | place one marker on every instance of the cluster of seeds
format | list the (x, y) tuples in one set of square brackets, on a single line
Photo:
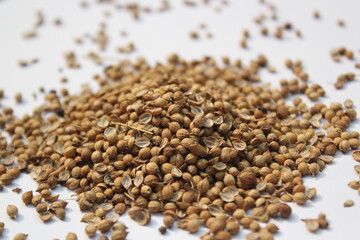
[(25, 63), (128, 48), (344, 78), (196, 34), (194, 141), (337, 53)]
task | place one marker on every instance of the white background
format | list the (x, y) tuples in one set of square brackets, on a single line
[(156, 36)]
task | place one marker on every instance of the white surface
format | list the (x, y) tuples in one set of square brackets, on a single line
[(155, 37)]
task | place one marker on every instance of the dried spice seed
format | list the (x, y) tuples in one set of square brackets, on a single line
[(162, 230), (354, 184), (349, 203), (2, 227), (119, 235), (20, 236), (71, 236), (356, 155), (45, 216), (285, 210), (12, 211), (312, 225), (193, 35), (90, 230)]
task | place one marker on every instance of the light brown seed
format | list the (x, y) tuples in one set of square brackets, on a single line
[(71, 236), (12, 211), (312, 225), (26, 197), (349, 203), (20, 236), (119, 235), (356, 155)]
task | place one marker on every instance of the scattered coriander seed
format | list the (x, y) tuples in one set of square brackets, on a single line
[(202, 25), (71, 236), (90, 230), (63, 80), (354, 184), (264, 31), (29, 34), (71, 60), (45, 216), (316, 14), (312, 225), (129, 48), (209, 35), (272, 228), (12, 211), (16, 190), (193, 35), (356, 155), (2, 227), (58, 21), (104, 225), (162, 230), (60, 213), (18, 97), (341, 22), (20, 236), (349, 203), (243, 43), (119, 235)]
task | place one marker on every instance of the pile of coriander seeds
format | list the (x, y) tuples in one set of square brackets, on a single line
[(196, 141)]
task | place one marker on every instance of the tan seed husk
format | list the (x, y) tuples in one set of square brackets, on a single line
[(356, 155)]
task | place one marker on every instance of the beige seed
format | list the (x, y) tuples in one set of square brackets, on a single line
[(168, 221), (71, 236), (119, 226), (26, 197), (20, 236), (119, 235), (104, 225), (45, 216), (2, 226), (349, 203), (60, 213), (312, 225), (354, 184), (272, 228), (300, 198), (12, 211), (18, 97), (356, 155)]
